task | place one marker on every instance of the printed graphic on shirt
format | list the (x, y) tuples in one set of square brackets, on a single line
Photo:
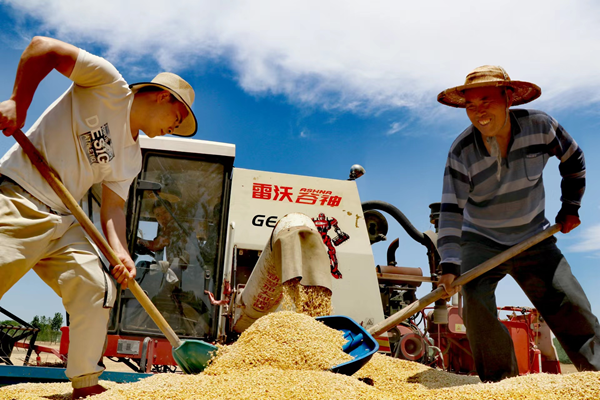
[(98, 145)]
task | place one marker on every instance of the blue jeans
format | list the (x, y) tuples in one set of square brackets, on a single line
[(545, 276)]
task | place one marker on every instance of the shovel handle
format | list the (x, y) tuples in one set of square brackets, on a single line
[(479, 270), (54, 181)]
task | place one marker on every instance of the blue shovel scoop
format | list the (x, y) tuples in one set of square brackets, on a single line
[(361, 345)]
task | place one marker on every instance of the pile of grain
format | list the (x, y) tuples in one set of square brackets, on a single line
[(283, 340), (392, 380), (578, 386), (404, 380), (44, 391), (407, 379), (256, 383), (284, 356), (310, 300)]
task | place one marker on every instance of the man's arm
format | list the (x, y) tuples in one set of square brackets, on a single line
[(41, 56), (454, 197), (112, 218), (572, 170)]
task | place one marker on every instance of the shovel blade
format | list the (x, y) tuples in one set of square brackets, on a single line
[(193, 356), (361, 345)]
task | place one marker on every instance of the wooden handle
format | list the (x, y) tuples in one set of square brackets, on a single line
[(479, 270), (54, 181)]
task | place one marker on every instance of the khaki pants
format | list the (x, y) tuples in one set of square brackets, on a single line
[(56, 247)]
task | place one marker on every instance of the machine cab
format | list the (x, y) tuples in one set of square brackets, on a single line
[(176, 214)]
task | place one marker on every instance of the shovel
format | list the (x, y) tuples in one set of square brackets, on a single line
[(482, 268), (192, 356), (360, 344)]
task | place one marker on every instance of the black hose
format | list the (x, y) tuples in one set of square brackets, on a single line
[(391, 252), (417, 235), (399, 216)]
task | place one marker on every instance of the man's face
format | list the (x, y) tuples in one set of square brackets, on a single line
[(486, 108), (166, 115)]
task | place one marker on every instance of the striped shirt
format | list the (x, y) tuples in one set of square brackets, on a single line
[(476, 204)]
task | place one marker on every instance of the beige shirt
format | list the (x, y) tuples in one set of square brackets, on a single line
[(84, 135)]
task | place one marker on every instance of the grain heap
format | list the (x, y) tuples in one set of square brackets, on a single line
[(41, 391), (283, 340), (393, 379), (406, 380), (257, 383), (579, 386), (239, 373), (310, 300)]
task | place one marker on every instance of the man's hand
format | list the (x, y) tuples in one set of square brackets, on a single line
[(10, 119), (446, 282), (568, 222), (125, 271), (160, 243)]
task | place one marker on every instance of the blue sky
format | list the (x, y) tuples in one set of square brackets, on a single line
[(314, 87)]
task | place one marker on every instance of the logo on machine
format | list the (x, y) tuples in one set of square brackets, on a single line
[(324, 225), (98, 145), (263, 220), (265, 191)]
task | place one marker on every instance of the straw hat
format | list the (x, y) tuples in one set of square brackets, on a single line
[(494, 76), (182, 91)]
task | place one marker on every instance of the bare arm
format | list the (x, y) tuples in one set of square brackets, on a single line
[(112, 218), (41, 56)]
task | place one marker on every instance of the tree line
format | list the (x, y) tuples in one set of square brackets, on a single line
[(49, 327)]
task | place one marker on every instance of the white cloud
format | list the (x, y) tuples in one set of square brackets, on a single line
[(590, 240), (350, 55), (396, 127)]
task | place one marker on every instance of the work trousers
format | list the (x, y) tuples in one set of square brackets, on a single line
[(546, 278), (56, 247)]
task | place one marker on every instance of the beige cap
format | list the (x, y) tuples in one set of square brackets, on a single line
[(182, 91)]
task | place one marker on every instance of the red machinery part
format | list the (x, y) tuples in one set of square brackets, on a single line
[(412, 347), (520, 334), (524, 328), (159, 350)]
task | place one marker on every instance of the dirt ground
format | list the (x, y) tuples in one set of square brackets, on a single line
[(18, 356)]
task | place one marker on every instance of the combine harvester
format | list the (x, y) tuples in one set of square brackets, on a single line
[(198, 228)]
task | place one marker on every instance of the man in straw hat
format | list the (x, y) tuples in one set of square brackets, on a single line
[(493, 198), (88, 135)]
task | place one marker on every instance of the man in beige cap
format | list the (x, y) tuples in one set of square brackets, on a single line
[(493, 198), (88, 135)]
